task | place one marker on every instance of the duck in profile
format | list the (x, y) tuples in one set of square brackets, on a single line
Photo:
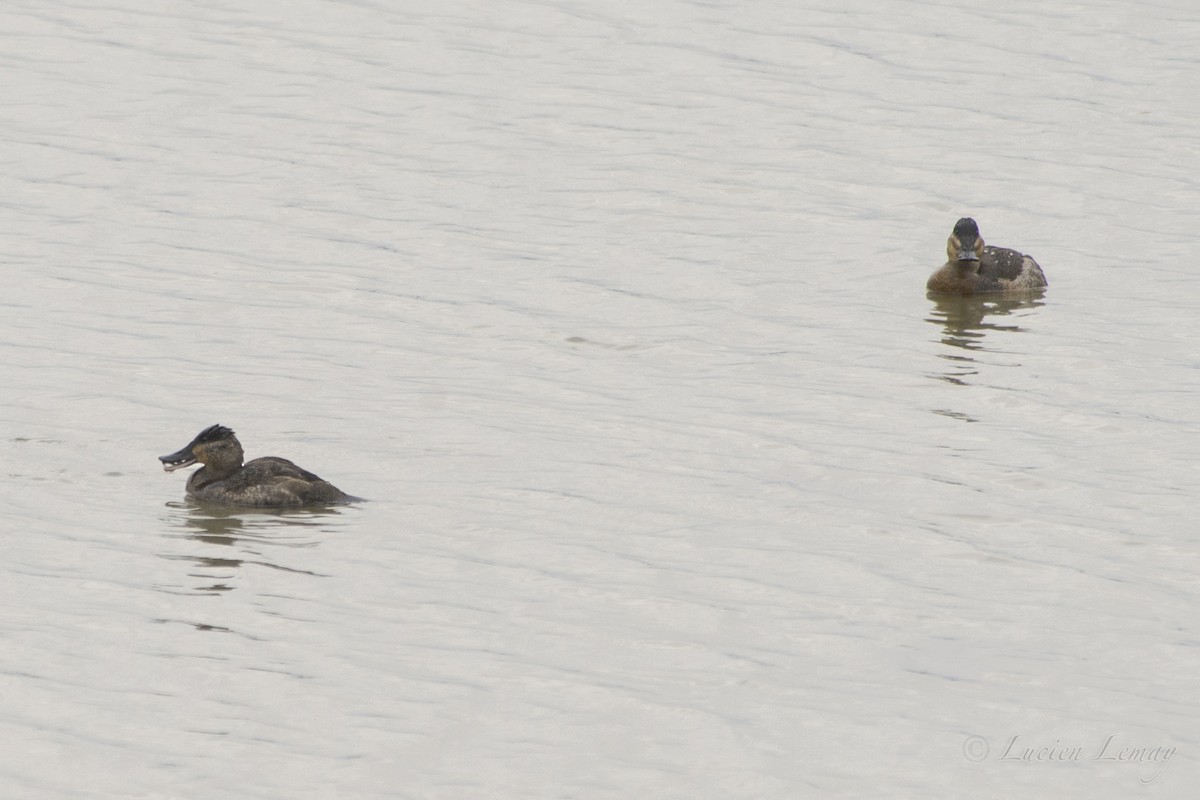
[(972, 268), (263, 482)]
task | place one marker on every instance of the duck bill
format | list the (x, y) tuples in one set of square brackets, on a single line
[(967, 255), (179, 460)]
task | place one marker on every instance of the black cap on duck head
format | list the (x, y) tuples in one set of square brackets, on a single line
[(964, 227), (965, 243), (211, 434)]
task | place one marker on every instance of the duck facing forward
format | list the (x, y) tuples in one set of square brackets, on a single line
[(972, 268), (263, 482)]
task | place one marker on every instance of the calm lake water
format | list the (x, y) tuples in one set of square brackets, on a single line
[(680, 486)]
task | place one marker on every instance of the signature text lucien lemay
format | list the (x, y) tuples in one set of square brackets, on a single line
[(1111, 750)]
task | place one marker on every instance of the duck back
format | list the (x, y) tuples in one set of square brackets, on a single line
[(271, 481)]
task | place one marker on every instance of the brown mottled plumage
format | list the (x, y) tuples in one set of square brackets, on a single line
[(268, 481), (972, 268)]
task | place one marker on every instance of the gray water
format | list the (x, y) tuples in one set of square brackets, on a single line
[(680, 486)]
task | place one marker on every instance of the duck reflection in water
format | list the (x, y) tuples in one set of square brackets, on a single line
[(965, 323), (965, 320), (229, 538), (268, 482)]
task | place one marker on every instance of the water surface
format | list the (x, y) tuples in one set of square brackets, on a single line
[(680, 485)]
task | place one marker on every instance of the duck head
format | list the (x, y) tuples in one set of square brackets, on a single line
[(214, 446), (965, 243)]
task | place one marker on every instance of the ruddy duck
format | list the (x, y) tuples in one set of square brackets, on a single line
[(973, 268), (266, 481)]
